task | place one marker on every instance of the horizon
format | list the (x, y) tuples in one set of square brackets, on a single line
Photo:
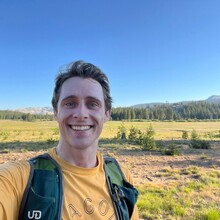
[(27, 107), (153, 51)]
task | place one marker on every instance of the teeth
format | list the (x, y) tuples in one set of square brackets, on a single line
[(80, 128)]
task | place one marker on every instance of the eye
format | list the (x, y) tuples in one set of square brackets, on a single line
[(70, 104), (93, 105)]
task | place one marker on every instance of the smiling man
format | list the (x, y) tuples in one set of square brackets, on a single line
[(80, 113), (74, 184)]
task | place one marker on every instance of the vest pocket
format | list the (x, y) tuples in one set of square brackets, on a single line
[(39, 207), (125, 197), (40, 203)]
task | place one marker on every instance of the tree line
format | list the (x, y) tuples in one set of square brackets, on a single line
[(171, 112), (14, 115), (179, 111)]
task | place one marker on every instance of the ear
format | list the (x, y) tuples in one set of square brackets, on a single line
[(55, 114), (107, 115)]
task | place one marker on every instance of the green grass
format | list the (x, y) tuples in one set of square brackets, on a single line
[(194, 199), (160, 203)]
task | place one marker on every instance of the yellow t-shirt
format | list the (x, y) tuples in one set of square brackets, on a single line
[(13, 180), (86, 194)]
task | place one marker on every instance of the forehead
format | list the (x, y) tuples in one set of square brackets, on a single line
[(81, 87)]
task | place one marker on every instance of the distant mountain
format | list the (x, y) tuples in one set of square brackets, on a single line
[(211, 99), (36, 110), (148, 105)]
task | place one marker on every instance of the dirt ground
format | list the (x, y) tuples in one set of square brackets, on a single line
[(146, 166)]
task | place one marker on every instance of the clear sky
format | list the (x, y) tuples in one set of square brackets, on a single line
[(151, 50)]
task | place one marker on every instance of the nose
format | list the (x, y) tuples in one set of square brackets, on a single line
[(80, 112)]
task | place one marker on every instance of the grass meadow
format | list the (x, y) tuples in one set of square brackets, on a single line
[(20, 131), (196, 198)]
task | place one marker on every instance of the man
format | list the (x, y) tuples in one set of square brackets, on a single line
[(82, 104)]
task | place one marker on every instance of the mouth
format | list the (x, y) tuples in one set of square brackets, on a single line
[(80, 127)]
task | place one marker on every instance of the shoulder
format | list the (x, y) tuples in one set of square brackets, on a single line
[(14, 172), (14, 166), (13, 180)]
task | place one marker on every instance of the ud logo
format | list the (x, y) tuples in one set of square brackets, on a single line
[(34, 215)]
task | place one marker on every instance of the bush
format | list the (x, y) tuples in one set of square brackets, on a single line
[(134, 134), (194, 135), (185, 135), (197, 143), (148, 142), (171, 150), (121, 132), (200, 144), (51, 141)]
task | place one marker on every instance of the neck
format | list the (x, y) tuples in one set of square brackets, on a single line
[(85, 158)]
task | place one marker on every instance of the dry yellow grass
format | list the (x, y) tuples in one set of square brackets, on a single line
[(164, 130), (11, 131)]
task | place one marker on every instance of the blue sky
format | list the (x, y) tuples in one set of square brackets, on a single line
[(151, 50)]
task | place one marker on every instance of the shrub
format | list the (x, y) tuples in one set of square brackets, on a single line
[(121, 134), (185, 135), (200, 144), (197, 143), (51, 141), (194, 135), (148, 141), (134, 134), (171, 150)]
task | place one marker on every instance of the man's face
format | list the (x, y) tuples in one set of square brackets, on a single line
[(81, 113)]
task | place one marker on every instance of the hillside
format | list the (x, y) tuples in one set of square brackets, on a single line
[(36, 110), (211, 99)]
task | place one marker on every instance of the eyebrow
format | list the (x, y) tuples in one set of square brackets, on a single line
[(69, 97), (75, 97)]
